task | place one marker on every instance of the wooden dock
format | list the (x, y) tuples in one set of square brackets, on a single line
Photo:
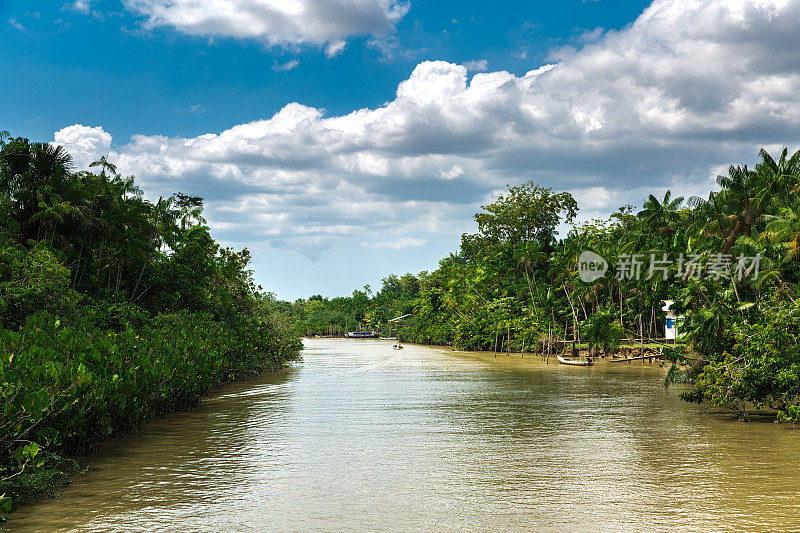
[(637, 358)]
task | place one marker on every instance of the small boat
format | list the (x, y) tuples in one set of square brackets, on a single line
[(574, 362), (361, 335), (397, 346)]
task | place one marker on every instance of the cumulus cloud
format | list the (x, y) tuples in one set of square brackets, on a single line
[(277, 22), (86, 144), (687, 87)]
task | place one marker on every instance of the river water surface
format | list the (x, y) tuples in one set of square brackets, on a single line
[(360, 437)]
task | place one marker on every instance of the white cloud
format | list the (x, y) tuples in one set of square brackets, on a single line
[(539, 71), (398, 244), (335, 48), (390, 48), (14, 23), (454, 172), (595, 198), (689, 86), (480, 65), (84, 143), (83, 6), (278, 22), (590, 36), (289, 65)]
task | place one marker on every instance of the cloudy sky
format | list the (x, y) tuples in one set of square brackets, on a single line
[(343, 140)]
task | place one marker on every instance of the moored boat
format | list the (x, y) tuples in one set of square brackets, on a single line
[(361, 335), (574, 362)]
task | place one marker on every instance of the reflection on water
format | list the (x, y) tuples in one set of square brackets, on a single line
[(362, 437)]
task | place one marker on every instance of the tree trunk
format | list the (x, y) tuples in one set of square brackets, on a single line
[(136, 287)]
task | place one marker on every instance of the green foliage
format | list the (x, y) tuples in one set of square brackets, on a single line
[(763, 367), (791, 414), (113, 311), (528, 213), (34, 280), (603, 329), (323, 316), (69, 388)]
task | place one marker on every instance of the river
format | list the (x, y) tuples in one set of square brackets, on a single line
[(360, 437)]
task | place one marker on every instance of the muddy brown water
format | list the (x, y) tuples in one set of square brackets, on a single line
[(360, 437)]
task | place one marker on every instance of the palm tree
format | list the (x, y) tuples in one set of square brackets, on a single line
[(783, 230), (602, 328), (736, 209), (782, 177), (30, 174), (661, 215), (51, 213), (104, 165)]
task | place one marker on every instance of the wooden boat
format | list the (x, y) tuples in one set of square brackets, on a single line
[(397, 347), (574, 362), (361, 335)]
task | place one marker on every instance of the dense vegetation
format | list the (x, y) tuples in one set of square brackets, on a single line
[(113, 310), (361, 310), (731, 266)]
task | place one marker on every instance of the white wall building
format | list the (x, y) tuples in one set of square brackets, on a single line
[(673, 322)]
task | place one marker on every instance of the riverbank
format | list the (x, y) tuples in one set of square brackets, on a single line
[(70, 387)]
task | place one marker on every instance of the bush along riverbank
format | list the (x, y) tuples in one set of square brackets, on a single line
[(114, 310), (730, 262)]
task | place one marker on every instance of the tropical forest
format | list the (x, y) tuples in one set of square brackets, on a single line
[(117, 310), (730, 262), (399, 265)]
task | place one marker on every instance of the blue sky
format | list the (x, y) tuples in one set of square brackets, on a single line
[(103, 68), (349, 139)]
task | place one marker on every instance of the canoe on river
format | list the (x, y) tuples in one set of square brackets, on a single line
[(575, 362)]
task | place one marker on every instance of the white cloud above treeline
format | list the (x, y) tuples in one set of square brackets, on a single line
[(85, 143), (687, 87)]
